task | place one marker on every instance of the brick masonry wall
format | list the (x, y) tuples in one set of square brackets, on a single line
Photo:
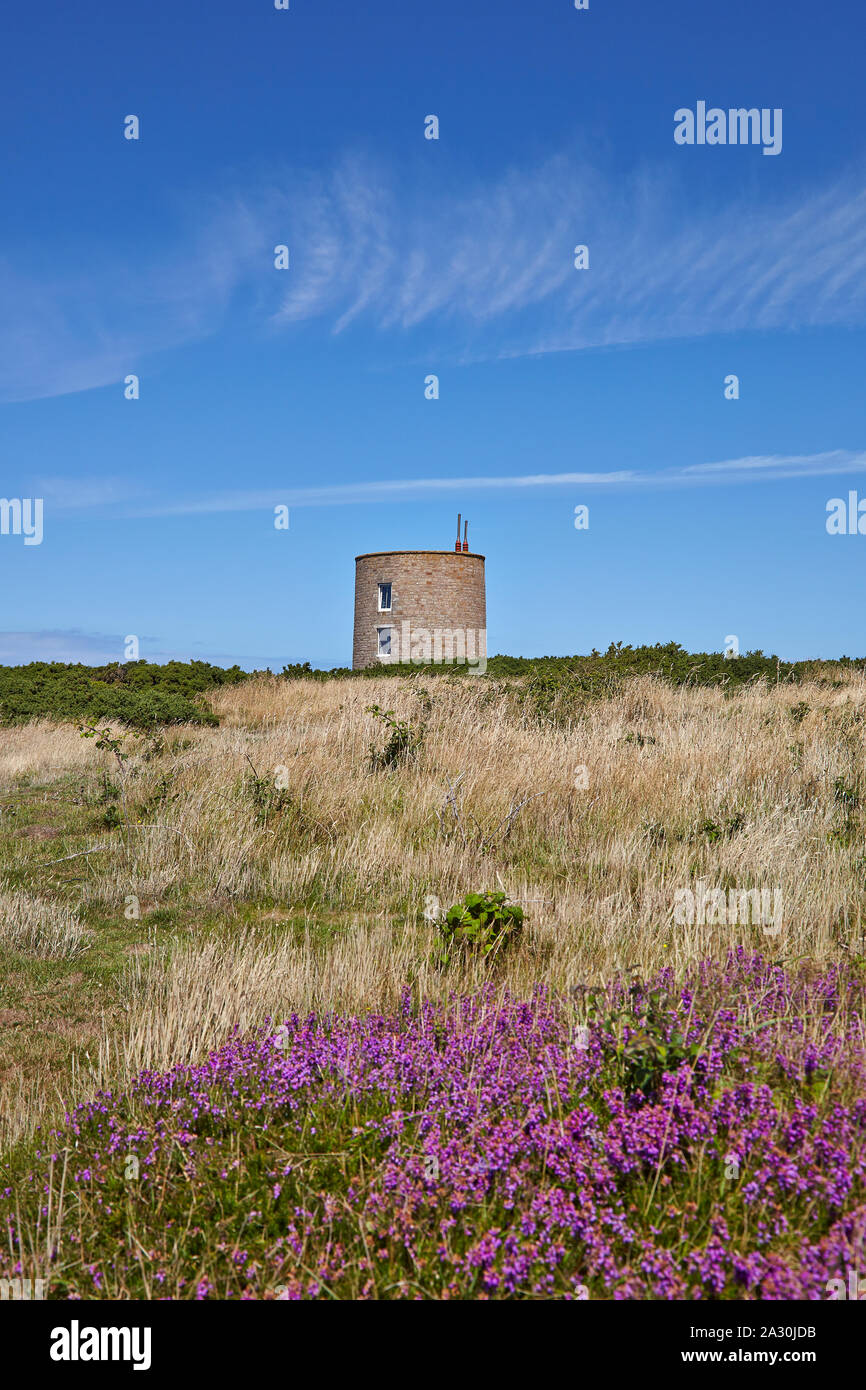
[(430, 589)]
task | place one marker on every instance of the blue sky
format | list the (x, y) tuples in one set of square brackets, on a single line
[(410, 257)]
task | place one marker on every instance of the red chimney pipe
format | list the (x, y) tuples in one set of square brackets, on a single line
[(457, 546), (465, 534)]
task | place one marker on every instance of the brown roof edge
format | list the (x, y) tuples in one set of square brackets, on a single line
[(464, 554)]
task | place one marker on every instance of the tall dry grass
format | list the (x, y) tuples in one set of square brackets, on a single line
[(597, 867), (40, 927), (492, 799)]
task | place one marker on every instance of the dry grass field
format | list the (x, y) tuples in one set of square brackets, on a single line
[(214, 876)]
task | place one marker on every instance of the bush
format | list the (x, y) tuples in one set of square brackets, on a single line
[(560, 680), (404, 739), (483, 924), (140, 694)]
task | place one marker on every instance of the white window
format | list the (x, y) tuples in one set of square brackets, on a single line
[(384, 640), (384, 598)]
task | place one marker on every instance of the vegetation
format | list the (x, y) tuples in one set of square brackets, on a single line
[(137, 693), (404, 736), (266, 868), (144, 695), (483, 923), (700, 1141), (600, 673)]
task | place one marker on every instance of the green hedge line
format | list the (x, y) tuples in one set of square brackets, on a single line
[(138, 693), (597, 670), (144, 695)]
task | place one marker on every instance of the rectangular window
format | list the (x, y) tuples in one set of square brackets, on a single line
[(384, 598), (384, 641)]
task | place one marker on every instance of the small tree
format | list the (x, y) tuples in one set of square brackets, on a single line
[(107, 743)]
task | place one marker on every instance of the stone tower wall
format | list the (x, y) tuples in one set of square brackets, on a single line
[(431, 590)]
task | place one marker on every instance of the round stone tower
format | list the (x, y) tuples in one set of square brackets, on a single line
[(423, 606)]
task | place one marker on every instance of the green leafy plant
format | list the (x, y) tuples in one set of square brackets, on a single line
[(720, 830), (268, 799), (484, 924), (138, 694), (642, 1040), (849, 800), (107, 742), (847, 796), (403, 741)]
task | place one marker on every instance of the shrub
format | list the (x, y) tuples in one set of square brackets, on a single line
[(597, 674), (404, 739), (720, 830), (639, 1040), (140, 694), (484, 924), (269, 801)]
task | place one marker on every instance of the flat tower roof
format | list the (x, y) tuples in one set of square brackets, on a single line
[(370, 554)]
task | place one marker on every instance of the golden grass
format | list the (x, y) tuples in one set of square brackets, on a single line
[(378, 844), (40, 927), (319, 839), (44, 749)]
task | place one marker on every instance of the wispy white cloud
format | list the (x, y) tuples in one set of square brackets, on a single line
[(388, 490), (66, 332), (73, 494), (487, 269), (124, 497), (496, 261), (762, 466), (755, 469)]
